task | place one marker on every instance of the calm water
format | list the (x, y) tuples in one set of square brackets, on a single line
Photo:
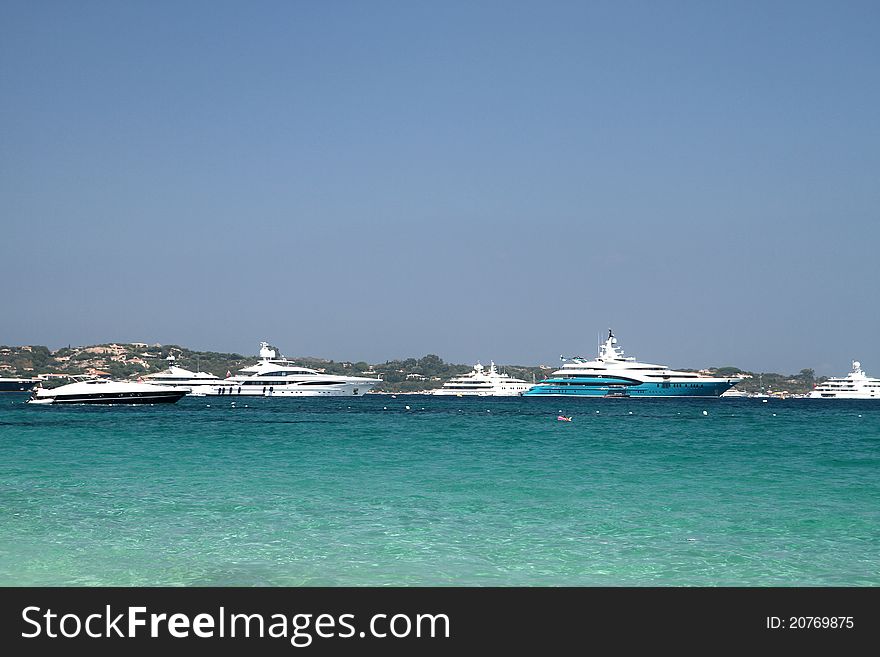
[(452, 491)]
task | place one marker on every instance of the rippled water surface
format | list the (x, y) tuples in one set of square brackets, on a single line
[(450, 491)]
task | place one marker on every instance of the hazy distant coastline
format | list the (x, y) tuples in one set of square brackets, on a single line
[(129, 360)]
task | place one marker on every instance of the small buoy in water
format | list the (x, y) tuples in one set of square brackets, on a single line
[(764, 400), (393, 396), (860, 416), (597, 412), (208, 405), (384, 408), (407, 408), (630, 412), (774, 415), (705, 412)]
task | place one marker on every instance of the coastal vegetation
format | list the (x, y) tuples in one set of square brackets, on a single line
[(130, 360)]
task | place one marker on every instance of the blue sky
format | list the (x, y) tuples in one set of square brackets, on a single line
[(372, 180)]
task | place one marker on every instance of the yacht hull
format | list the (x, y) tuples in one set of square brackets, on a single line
[(633, 390), (440, 392), (115, 398), (17, 385), (292, 390), (845, 395)]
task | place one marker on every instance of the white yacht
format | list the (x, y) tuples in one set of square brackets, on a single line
[(480, 383), (855, 385), (733, 392), (275, 376), (102, 391), (196, 382), (612, 374)]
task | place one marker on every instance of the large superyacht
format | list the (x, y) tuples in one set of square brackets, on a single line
[(855, 385), (274, 376), (612, 374), (480, 383)]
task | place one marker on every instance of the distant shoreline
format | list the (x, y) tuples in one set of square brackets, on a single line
[(411, 375)]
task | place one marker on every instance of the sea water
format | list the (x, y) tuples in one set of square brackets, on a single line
[(420, 490)]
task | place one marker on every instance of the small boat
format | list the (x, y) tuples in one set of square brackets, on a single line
[(733, 392), (102, 391), (563, 418)]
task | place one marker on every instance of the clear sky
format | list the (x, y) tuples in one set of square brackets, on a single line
[(504, 180)]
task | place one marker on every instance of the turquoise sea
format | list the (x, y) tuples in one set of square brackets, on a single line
[(450, 491)]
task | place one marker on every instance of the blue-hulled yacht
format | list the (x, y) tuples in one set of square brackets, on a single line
[(612, 374)]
